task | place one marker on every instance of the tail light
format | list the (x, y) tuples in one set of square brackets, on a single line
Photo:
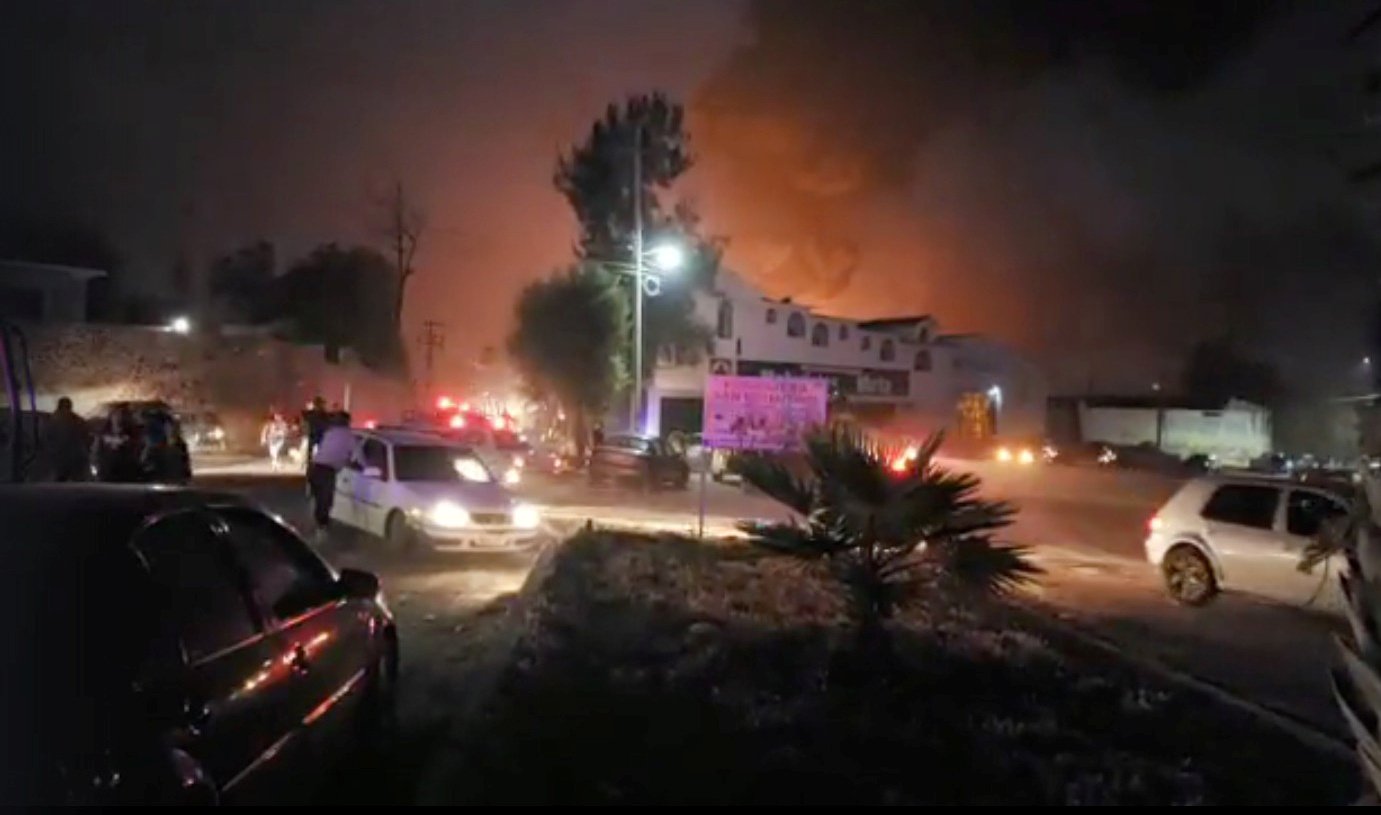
[(457, 422), (1155, 524)]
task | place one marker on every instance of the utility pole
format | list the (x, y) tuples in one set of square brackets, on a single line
[(433, 339), (635, 412)]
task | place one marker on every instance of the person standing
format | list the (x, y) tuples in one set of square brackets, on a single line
[(274, 437), (314, 421), (118, 449), (69, 444), (333, 453)]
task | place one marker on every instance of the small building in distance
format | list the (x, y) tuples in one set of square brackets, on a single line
[(46, 292), (895, 372), (1236, 432)]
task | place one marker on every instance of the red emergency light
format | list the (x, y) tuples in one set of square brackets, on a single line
[(457, 422), (445, 403)]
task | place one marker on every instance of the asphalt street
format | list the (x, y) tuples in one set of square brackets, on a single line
[(1084, 526)]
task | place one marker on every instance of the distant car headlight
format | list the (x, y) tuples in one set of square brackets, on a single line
[(512, 476), (216, 434), (526, 516), (1026, 457), (1003, 454), (519, 462), (449, 514)]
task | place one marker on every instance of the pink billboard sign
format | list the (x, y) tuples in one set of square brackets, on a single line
[(765, 413)]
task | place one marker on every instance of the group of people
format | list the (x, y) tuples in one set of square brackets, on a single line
[(127, 449)]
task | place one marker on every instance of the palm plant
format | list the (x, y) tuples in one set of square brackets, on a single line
[(886, 530)]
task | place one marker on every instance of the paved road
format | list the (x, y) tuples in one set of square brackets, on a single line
[(1085, 526)]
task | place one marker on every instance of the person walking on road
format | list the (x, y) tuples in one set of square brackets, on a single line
[(333, 453), (69, 444), (274, 437)]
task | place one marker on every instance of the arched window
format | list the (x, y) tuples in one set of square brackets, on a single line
[(795, 325), (888, 352), (843, 332), (724, 326), (922, 360), (820, 335), (771, 316)]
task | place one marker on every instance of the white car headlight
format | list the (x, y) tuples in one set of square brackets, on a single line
[(526, 516), (449, 514), (217, 433), (512, 476)]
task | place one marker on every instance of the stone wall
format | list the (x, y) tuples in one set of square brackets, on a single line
[(239, 377)]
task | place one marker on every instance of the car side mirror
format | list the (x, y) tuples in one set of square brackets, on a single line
[(372, 472), (357, 583)]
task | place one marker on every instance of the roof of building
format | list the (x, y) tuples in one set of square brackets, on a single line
[(896, 322), (80, 272)]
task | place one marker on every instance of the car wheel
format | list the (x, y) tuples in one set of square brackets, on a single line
[(1188, 576), (398, 536)]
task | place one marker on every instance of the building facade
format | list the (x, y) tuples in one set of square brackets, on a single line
[(45, 292), (899, 371)]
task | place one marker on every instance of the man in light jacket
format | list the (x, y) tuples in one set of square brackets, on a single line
[(333, 453)]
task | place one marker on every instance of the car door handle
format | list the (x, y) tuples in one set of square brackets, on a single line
[(299, 662)]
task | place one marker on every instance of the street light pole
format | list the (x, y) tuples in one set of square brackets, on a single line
[(635, 408)]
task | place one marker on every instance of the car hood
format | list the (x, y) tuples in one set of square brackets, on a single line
[(469, 495)]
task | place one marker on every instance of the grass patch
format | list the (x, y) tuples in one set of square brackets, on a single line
[(661, 671)]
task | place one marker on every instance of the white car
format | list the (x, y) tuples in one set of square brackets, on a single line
[(1246, 534), (503, 451), (418, 489)]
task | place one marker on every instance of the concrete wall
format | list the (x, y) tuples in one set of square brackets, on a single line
[(237, 377), (1235, 435)]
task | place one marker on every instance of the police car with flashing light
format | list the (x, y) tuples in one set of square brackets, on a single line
[(419, 490)]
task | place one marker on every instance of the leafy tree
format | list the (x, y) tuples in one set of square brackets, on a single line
[(243, 284), (1217, 371), (342, 297), (886, 535), (597, 179), (568, 344)]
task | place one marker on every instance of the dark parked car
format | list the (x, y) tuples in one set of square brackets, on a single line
[(646, 462), (177, 646)]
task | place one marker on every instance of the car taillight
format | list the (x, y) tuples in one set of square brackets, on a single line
[(1154, 524)]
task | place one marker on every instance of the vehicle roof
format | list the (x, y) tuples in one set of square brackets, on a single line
[(1262, 480), (412, 438), (103, 502)]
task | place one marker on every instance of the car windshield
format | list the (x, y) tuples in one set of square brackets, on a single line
[(418, 463), (636, 443)]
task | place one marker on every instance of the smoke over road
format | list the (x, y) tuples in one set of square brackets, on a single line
[(1066, 175)]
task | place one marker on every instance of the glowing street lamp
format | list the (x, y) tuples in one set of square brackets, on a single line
[(667, 257), (180, 325)]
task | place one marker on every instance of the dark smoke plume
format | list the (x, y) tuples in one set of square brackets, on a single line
[(1065, 173)]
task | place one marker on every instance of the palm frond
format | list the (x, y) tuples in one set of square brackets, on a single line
[(989, 567), (777, 482)]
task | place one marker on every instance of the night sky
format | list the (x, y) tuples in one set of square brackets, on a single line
[(1099, 183)]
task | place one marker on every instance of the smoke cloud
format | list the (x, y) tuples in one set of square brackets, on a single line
[(1102, 184)]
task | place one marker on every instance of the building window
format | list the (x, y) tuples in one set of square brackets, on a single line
[(922, 360), (724, 328), (771, 316), (866, 344), (843, 333), (820, 335), (795, 325), (888, 352), (924, 335)]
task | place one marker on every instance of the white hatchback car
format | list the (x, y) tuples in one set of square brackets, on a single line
[(1247, 534), (411, 488)]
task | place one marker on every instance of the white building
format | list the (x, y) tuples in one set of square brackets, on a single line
[(899, 371), (45, 292)]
